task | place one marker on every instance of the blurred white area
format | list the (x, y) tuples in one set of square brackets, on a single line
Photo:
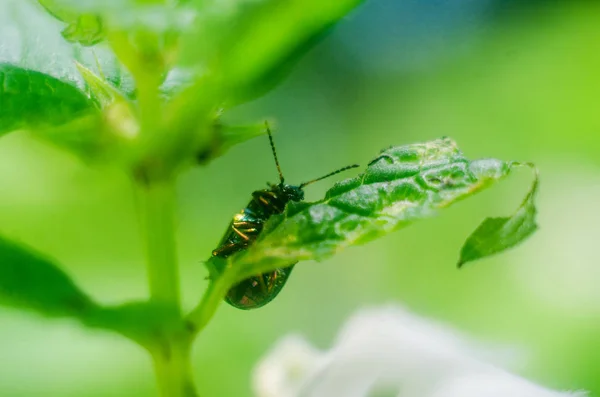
[(284, 372), (389, 349)]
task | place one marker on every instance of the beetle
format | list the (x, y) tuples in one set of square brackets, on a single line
[(246, 226)]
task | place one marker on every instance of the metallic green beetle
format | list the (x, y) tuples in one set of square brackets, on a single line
[(247, 225)]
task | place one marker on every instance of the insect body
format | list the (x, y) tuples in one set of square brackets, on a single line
[(244, 229)]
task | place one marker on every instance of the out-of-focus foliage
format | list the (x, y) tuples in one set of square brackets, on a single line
[(82, 28), (518, 83), (29, 281), (235, 56), (250, 46), (29, 99), (32, 282)]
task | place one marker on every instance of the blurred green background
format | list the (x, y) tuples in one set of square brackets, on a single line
[(506, 79)]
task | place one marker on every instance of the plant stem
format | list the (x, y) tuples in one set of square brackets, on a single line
[(213, 297), (158, 230), (171, 354), (173, 371)]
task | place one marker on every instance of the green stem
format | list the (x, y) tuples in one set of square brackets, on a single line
[(173, 371), (213, 297), (158, 230), (171, 353)]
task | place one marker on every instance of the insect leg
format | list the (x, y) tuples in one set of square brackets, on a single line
[(239, 233), (266, 199), (248, 228), (261, 282), (246, 224), (227, 249)]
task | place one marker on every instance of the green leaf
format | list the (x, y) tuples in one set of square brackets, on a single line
[(32, 40), (102, 91), (101, 61), (498, 234), (30, 99), (63, 115), (402, 185), (145, 322), (239, 52), (84, 28), (86, 137), (224, 137), (253, 46), (30, 281)]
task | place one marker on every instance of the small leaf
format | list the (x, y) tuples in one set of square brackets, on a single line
[(224, 137), (402, 185), (498, 234), (85, 29), (30, 99), (102, 91), (239, 52), (101, 61), (30, 281)]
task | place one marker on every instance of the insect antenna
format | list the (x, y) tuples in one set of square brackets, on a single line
[(274, 152), (330, 174)]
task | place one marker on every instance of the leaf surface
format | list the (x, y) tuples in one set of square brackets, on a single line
[(31, 100), (30, 281), (402, 185), (495, 235)]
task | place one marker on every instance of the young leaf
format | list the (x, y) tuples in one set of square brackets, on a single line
[(85, 29), (30, 281), (30, 99), (101, 61), (257, 44), (275, 36), (63, 115), (32, 40), (244, 51), (102, 91), (402, 185), (224, 137), (498, 234)]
